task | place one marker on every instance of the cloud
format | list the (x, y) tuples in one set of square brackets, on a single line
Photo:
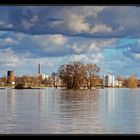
[(77, 23), (90, 46), (8, 41), (78, 49), (3, 24), (82, 10), (94, 58), (91, 21), (137, 55), (99, 28), (27, 24), (9, 58), (57, 39), (20, 36)]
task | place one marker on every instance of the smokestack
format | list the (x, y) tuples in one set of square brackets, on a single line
[(38, 69)]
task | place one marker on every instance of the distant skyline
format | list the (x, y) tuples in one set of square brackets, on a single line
[(54, 35)]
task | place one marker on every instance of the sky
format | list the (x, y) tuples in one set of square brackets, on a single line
[(108, 36)]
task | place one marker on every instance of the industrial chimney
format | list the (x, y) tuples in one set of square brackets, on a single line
[(38, 69)]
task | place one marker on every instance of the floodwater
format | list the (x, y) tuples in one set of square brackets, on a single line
[(57, 111)]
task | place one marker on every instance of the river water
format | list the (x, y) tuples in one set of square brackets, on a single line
[(57, 111)]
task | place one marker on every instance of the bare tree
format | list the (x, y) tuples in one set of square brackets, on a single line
[(72, 75), (132, 81), (3, 80), (92, 71)]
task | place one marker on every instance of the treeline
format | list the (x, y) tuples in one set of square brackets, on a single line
[(130, 82), (29, 81), (78, 75)]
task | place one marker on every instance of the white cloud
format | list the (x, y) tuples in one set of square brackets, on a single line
[(77, 23), (75, 19), (9, 26), (8, 41), (46, 40), (136, 55), (27, 24), (58, 39), (99, 45), (20, 36), (81, 57), (77, 49), (34, 19), (92, 58), (92, 46), (99, 28), (3, 24), (9, 58)]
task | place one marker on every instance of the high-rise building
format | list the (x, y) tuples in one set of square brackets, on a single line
[(110, 81), (10, 78)]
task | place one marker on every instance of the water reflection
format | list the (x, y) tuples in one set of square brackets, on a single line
[(110, 110), (116, 104), (11, 104), (81, 109), (41, 101), (78, 95)]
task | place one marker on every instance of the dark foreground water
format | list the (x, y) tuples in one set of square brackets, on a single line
[(52, 111)]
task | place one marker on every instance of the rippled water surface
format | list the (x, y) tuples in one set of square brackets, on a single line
[(56, 111)]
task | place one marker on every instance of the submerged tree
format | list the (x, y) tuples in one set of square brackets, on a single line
[(76, 75), (72, 75), (132, 81), (92, 78)]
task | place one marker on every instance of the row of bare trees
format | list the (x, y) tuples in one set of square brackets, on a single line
[(130, 82), (77, 74), (34, 81)]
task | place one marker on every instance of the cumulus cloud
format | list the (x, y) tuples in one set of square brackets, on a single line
[(105, 21), (93, 58), (8, 41), (58, 39), (93, 46), (99, 28), (78, 48), (27, 24), (77, 23), (3, 24), (9, 58), (20, 36)]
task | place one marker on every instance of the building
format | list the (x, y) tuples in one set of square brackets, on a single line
[(118, 83), (44, 76), (110, 81), (10, 78), (58, 82)]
